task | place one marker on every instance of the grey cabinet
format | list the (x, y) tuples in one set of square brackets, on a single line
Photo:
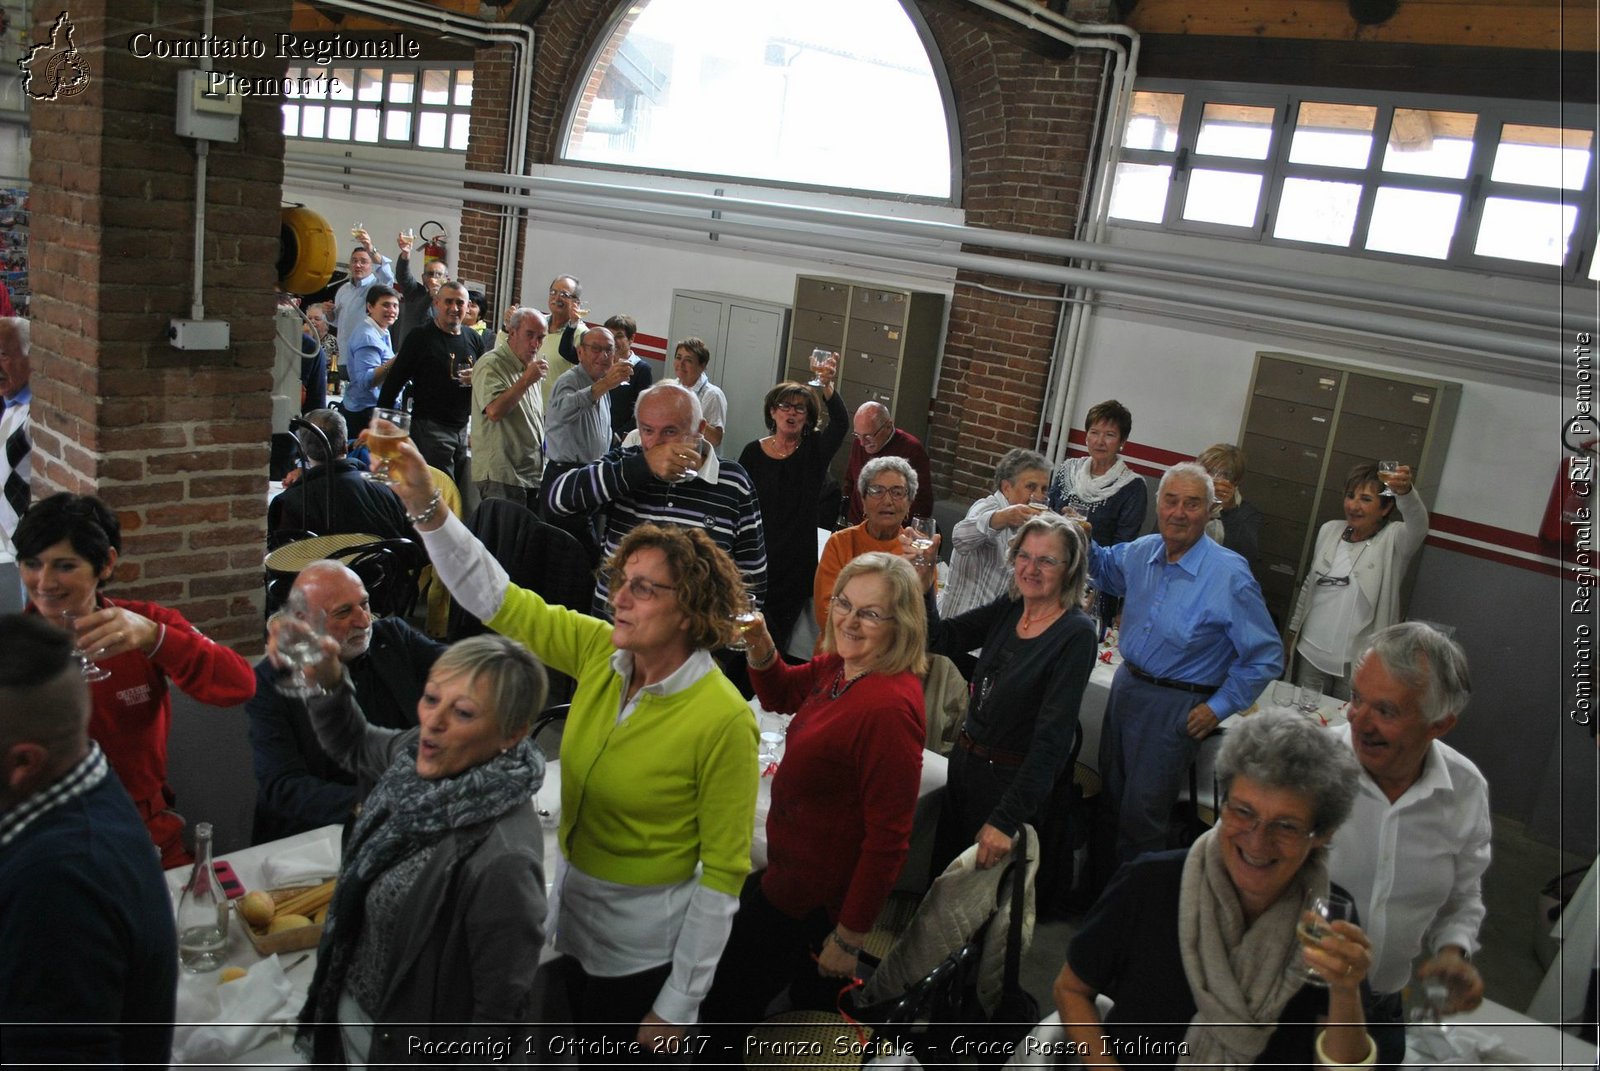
[(1307, 423), (745, 336), (887, 339)]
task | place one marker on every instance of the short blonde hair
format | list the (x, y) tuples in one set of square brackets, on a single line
[(908, 646)]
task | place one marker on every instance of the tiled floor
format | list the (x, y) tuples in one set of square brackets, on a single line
[(1512, 932)]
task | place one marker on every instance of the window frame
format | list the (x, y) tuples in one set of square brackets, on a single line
[(415, 109), (1475, 188), (576, 99)]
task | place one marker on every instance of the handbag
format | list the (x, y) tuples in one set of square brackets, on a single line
[(1017, 1011)]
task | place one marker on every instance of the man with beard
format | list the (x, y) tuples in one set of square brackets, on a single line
[(297, 786)]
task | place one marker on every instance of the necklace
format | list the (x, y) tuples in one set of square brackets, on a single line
[(841, 686), (1031, 623), (777, 448)]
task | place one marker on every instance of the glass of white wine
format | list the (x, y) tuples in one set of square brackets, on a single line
[(92, 670), (923, 529), (1318, 912), (389, 428), (819, 361), (745, 616), (298, 642)]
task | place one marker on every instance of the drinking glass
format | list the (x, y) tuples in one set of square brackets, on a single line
[(1316, 915), (461, 365), (357, 229), (923, 529), (819, 360), (1285, 695), (743, 618), (389, 428), (300, 630), (92, 670), (773, 729), (1308, 699)]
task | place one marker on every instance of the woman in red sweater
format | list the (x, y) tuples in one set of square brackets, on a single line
[(67, 547), (842, 800)]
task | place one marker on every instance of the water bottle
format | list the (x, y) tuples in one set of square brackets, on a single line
[(202, 912)]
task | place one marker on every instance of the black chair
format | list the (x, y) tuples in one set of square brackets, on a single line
[(536, 556), (553, 715), (285, 455), (389, 569)]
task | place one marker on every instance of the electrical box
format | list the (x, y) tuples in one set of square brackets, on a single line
[(208, 105), (198, 334)]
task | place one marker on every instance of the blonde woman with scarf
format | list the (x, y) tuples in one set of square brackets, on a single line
[(1100, 485), (1198, 948)]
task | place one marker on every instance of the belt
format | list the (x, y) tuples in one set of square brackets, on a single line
[(1164, 682), (989, 754)]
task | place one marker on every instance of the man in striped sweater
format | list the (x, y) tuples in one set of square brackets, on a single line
[(671, 477)]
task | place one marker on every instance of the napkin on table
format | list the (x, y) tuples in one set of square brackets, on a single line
[(307, 864), (233, 1018)]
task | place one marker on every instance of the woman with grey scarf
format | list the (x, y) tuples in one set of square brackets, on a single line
[(438, 918), (1198, 948)]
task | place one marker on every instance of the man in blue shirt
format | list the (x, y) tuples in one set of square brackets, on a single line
[(1198, 646)]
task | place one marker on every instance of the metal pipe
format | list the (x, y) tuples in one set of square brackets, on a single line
[(1162, 289)]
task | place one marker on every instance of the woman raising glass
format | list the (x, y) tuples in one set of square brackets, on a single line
[(842, 799), (1198, 947), (787, 468), (658, 764)]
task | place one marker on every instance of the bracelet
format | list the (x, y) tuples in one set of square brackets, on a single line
[(433, 508), (161, 636), (1323, 1060), (765, 662), (850, 949)]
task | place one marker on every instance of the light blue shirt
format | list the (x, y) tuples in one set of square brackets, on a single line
[(368, 348), (1200, 619)]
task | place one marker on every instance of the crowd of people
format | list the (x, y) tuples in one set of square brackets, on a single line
[(655, 919)]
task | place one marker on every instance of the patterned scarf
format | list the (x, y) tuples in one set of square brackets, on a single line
[(1237, 973), (1072, 476), (403, 813)]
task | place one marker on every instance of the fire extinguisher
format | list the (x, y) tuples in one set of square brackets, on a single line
[(1572, 497), (435, 246)]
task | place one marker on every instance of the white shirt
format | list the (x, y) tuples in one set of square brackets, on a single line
[(978, 570), (1337, 610), (713, 403), (1415, 867)]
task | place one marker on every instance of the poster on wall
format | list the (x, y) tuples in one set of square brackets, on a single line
[(14, 246)]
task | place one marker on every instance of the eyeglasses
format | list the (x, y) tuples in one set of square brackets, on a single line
[(435, 274), (1281, 831), (844, 608), (1043, 561), (877, 490), (600, 348), (790, 407), (560, 293), (640, 588), (1325, 581), (873, 434)]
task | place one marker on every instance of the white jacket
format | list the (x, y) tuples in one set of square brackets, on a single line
[(1379, 572)]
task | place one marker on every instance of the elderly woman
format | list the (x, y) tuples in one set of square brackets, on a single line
[(658, 758), (438, 917), (887, 486), (1038, 649), (1198, 948), (1352, 588), (1100, 485), (981, 541), (68, 547), (787, 468), (843, 796), (1236, 524)]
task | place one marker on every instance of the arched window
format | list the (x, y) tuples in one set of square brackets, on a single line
[(831, 93)]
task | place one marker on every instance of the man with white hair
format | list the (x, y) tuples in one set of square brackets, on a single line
[(1198, 646), (16, 451), (1415, 848), (508, 443), (672, 477), (91, 963), (297, 786)]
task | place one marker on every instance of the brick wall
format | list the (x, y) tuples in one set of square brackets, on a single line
[(478, 251), (174, 441)]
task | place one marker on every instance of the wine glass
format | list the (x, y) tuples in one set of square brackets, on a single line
[(299, 633), (357, 229), (1317, 913), (1308, 699), (461, 365), (819, 361), (389, 428), (773, 729), (923, 529), (92, 670), (743, 617)]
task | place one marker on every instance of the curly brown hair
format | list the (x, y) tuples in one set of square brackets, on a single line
[(709, 585)]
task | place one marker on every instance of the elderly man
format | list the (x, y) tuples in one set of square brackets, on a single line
[(297, 786), (367, 266), (577, 426), (981, 540), (508, 446), (16, 452), (1415, 849), (431, 361), (91, 957), (876, 436), (1198, 646), (671, 477), (334, 496), (689, 360), (416, 295), (566, 327)]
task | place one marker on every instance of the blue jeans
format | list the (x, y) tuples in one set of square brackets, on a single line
[(1145, 752)]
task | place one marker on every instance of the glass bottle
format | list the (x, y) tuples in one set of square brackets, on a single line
[(202, 911)]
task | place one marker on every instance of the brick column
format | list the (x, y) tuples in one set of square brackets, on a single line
[(478, 246), (175, 441)]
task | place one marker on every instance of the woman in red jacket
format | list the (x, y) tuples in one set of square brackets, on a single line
[(67, 547)]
